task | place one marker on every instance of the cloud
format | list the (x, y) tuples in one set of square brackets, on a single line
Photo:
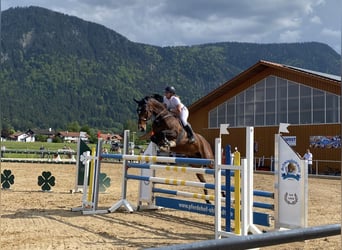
[(290, 36), (189, 22), (316, 19), (200, 21), (331, 33)]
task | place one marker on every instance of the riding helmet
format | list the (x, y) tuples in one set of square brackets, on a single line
[(170, 89)]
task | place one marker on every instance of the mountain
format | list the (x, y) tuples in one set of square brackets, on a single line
[(58, 69)]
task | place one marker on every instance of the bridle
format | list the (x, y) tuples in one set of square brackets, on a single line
[(145, 113)]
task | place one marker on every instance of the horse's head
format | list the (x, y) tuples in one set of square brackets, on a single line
[(144, 114), (147, 107)]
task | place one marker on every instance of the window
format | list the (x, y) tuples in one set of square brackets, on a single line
[(221, 114), (259, 103), (282, 100), (332, 108), (231, 112), (305, 103), (274, 100), (213, 118)]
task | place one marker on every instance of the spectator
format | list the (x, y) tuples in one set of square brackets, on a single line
[(56, 157), (42, 149), (3, 149), (308, 157)]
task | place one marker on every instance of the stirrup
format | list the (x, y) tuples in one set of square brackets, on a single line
[(191, 140), (164, 148)]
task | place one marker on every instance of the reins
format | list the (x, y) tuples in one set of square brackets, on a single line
[(163, 117), (163, 114)]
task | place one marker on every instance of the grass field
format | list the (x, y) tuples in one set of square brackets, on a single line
[(48, 146), (36, 145)]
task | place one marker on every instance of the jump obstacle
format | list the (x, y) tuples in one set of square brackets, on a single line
[(259, 240), (46, 180), (47, 156), (89, 206), (89, 161)]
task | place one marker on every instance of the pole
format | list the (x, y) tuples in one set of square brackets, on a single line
[(341, 120), (260, 240), (341, 125)]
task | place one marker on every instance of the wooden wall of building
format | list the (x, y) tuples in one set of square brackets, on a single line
[(264, 140)]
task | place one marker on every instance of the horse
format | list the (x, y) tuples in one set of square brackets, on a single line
[(168, 132)]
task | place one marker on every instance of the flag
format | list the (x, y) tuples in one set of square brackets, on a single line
[(224, 129), (81, 167), (283, 128)]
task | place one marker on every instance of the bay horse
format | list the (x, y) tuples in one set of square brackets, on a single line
[(167, 131)]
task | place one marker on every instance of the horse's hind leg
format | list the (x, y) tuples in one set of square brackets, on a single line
[(202, 179)]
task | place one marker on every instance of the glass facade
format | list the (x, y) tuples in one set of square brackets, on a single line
[(275, 100)]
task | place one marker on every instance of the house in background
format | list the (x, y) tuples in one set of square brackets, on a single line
[(27, 136), (67, 136), (110, 138), (49, 133)]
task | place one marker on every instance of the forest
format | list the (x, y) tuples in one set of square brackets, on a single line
[(58, 70)]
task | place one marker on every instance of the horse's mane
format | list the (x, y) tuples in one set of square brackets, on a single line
[(157, 101), (158, 97)]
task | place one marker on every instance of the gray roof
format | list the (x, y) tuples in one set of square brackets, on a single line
[(330, 76)]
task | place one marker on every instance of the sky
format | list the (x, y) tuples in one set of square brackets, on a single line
[(192, 22)]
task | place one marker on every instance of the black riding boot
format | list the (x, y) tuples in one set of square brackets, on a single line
[(190, 133)]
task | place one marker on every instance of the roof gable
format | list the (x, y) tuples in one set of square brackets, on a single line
[(69, 134), (110, 136), (259, 71)]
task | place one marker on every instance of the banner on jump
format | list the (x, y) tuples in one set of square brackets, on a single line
[(291, 140), (259, 218), (291, 182)]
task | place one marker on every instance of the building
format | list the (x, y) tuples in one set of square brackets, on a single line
[(27, 136), (49, 134), (266, 95), (69, 137), (110, 138)]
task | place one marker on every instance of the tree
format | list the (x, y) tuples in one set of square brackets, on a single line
[(74, 126), (6, 130), (131, 125), (85, 128)]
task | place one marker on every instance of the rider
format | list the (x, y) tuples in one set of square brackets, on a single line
[(174, 105)]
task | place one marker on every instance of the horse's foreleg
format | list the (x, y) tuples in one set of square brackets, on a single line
[(202, 179), (169, 137)]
